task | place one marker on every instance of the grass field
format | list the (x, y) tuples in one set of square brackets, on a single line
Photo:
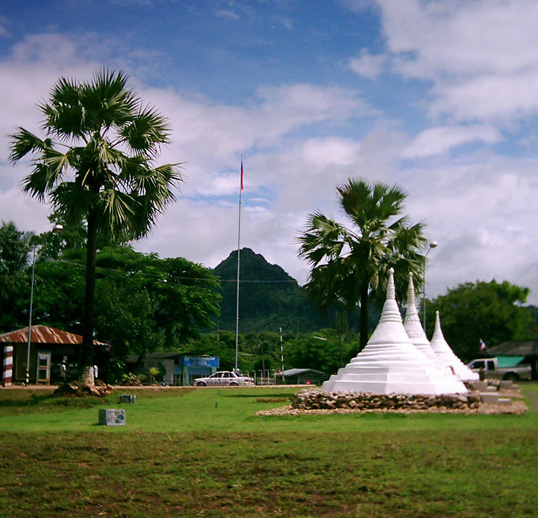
[(203, 453)]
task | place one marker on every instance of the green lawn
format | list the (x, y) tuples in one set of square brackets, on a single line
[(203, 453)]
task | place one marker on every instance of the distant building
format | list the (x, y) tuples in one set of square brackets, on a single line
[(302, 377), (526, 350), (49, 347), (176, 368)]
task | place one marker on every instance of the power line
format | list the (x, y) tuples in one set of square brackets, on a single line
[(156, 276)]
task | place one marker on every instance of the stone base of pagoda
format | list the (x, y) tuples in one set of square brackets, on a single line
[(398, 380)]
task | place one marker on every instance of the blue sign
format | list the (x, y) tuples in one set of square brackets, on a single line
[(201, 361)]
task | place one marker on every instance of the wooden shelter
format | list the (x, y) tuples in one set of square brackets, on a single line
[(48, 350)]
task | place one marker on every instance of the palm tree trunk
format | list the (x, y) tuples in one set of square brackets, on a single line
[(87, 377), (364, 315)]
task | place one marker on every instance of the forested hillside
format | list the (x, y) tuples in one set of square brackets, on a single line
[(269, 297)]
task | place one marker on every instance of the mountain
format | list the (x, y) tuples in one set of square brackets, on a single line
[(268, 297)]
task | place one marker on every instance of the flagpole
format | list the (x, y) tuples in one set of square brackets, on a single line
[(238, 270)]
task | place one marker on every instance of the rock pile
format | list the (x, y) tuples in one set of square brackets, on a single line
[(72, 389), (318, 399)]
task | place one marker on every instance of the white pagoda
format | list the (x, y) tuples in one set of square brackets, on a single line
[(418, 337), (414, 329), (390, 363), (443, 351)]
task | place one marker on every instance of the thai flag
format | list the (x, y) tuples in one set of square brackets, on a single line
[(482, 345)]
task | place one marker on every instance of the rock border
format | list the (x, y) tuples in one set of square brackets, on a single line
[(317, 401)]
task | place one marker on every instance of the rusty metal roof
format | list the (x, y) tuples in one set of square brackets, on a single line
[(44, 335)]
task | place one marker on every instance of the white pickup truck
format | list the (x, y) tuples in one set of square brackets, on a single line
[(504, 368)]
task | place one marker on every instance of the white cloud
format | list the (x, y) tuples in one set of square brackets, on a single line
[(209, 136), (495, 98), (27, 213), (481, 213), (292, 106), (286, 22), (367, 65), (227, 14), (462, 37), (440, 140), (480, 54)]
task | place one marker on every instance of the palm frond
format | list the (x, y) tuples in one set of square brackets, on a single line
[(107, 156), (24, 142), (63, 115), (323, 240), (117, 208), (56, 163), (36, 183), (107, 102), (72, 200), (112, 140), (146, 132), (159, 182)]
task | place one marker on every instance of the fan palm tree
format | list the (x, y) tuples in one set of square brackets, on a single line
[(96, 165), (350, 263)]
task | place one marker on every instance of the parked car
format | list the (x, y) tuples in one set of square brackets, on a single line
[(223, 378), (504, 369)]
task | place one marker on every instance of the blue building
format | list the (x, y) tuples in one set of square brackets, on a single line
[(176, 368)]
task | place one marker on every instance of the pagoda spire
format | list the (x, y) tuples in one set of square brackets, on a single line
[(413, 326), (444, 352)]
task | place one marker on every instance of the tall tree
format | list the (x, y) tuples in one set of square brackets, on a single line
[(350, 263), (14, 249), (145, 302), (96, 165), (490, 311), (184, 295)]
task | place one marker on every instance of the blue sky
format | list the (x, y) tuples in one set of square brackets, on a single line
[(437, 96)]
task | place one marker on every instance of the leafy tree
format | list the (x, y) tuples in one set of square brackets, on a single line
[(320, 351), (125, 318), (487, 310), (64, 236), (58, 289), (14, 250), (145, 303), (341, 325), (184, 295), (96, 165), (350, 264)]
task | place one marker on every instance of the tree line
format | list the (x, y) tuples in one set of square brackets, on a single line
[(147, 304)]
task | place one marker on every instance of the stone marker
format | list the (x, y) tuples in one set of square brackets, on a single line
[(489, 397), (128, 398), (111, 417), (478, 385)]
